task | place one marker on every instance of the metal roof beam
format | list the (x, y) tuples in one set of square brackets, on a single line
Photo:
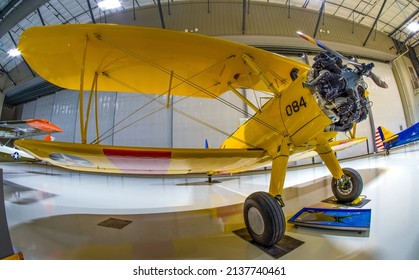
[(18, 13), (91, 11), (404, 22), (40, 16), (133, 8), (7, 74), (8, 8), (161, 14), (319, 18), (375, 22), (410, 36)]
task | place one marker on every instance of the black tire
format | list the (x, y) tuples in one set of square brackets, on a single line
[(264, 218), (348, 190)]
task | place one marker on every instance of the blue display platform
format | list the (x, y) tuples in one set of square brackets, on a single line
[(333, 218)]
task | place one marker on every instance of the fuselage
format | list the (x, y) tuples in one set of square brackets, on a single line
[(408, 135), (294, 114)]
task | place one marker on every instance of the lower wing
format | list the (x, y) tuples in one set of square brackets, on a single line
[(140, 160)]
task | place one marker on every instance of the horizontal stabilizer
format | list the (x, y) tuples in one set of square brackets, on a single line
[(386, 135), (26, 128)]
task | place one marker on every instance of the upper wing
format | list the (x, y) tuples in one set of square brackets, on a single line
[(149, 60), (27, 128)]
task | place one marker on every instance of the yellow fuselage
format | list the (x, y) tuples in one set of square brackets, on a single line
[(294, 114)]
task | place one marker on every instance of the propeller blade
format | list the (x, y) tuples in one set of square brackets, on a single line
[(377, 80), (326, 48)]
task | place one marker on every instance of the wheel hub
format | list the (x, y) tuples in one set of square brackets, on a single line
[(256, 221), (344, 185)]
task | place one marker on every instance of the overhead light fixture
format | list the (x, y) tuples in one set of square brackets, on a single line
[(109, 4), (413, 26), (14, 52)]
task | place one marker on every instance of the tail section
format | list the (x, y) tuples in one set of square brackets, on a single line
[(207, 146), (379, 140), (382, 135)]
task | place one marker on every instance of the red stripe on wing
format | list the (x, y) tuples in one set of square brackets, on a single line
[(134, 161)]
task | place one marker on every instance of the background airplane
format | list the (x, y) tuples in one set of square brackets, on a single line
[(386, 140), (17, 129)]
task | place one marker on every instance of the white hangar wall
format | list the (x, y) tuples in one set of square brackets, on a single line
[(130, 119)]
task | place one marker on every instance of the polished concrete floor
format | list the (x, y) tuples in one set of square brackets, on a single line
[(58, 214)]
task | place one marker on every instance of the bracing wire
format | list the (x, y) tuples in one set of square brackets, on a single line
[(183, 81), (188, 82), (175, 110)]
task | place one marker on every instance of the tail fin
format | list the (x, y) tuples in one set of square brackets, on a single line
[(379, 140), (382, 134), (207, 146), (385, 133)]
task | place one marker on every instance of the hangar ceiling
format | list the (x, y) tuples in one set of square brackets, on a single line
[(391, 17)]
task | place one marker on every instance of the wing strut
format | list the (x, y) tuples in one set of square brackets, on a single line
[(86, 123), (244, 99), (81, 94), (170, 90), (259, 72), (352, 133)]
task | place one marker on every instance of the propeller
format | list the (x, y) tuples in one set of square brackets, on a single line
[(364, 68)]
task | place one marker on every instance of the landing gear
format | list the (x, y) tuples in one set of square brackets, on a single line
[(264, 218), (349, 187)]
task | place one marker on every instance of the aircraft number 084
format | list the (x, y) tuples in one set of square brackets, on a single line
[(295, 106)]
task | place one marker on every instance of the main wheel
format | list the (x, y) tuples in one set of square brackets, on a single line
[(264, 218), (349, 187)]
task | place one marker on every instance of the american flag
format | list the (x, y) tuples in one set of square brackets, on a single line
[(378, 141)]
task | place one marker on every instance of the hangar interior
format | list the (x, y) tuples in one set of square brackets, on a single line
[(53, 213)]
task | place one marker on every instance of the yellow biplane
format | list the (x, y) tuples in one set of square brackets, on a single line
[(309, 106)]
